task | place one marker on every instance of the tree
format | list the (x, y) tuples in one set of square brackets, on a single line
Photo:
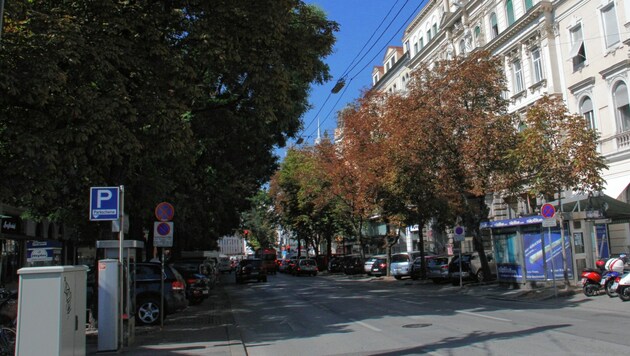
[(181, 101), (260, 221)]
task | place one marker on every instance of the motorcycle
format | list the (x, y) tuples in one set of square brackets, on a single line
[(622, 286), (197, 288), (592, 279), (614, 268)]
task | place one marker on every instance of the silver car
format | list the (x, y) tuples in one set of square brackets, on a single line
[(437, 268)]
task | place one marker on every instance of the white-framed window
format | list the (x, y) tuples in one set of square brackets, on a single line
[(611, 28), (375, 79), (586, 109), (462, 47), (578, 52), (537, 65), (622, 105), (434, 29), (517, 70), (528, 4), (421, 43), (415, 48), (407, 46), (428, 35), (494, 25)]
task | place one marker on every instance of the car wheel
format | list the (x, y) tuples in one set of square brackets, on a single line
[(314, 274), (398, 277), (148, 311), (611, 293), (455, 282), (480, 276), (624, 293), (436, 281)]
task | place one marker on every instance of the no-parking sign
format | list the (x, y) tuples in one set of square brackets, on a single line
[(163, 234)]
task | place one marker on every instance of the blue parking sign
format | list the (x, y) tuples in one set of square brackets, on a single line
[(104, 203)]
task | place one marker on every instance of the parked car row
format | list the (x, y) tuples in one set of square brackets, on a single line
[(299, 267)]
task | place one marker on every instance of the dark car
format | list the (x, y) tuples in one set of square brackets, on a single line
[(415, 271), (352, 265), (334, 265), (148, 286), (198, 285), (379, 267), (251, 269), (453, 268)]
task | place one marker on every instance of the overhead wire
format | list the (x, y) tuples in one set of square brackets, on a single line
[(352, 64), (415, 11)]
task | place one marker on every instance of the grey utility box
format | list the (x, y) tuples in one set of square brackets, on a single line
[(51, 310)]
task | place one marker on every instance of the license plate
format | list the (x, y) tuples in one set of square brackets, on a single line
[(375, 270), (254, 273), (206, 292), (614, 286)]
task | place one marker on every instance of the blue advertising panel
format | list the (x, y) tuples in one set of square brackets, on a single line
[(507, 252), (534, 259), (602, 240), (553, 255)]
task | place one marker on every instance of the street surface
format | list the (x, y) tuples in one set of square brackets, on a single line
[(347, 315)]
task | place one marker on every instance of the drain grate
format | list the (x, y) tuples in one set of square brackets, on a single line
[(415, 326)]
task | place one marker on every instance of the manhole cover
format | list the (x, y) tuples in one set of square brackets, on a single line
[(415, 326)]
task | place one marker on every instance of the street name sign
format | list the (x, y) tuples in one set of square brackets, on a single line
[(104, 203)]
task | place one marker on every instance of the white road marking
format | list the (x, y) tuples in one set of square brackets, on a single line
[(482, 316), (367, 326)]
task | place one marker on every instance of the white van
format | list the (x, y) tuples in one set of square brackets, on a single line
[(400, 265), (224, 264)]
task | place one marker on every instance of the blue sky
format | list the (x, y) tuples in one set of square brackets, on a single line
[(358, 21)]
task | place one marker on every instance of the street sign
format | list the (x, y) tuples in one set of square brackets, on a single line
[(459, 233), (164, 211), (549, 222), (548, 211), (104, 203), (163, 234)]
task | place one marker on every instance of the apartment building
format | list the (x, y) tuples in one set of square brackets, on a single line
[(574, 49)]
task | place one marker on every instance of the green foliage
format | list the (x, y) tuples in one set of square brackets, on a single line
[(181, 101), (260, 221)]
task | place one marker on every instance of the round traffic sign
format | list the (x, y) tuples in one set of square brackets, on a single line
[(459, 230), (163, 229), (164, 211), (548, 211)]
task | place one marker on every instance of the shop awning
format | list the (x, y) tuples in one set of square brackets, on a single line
[(614, 210), (615, 186)]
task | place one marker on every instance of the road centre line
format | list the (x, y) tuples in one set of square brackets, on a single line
[(482, 316)]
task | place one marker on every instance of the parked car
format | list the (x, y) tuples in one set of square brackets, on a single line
[(334, 265), (475, 266), (400, 264), (148, 285), (453, 268), (352, 264), (198, 285), (367, 266), (416, 266), (379, 267), (306, 266), (437, 268), (284, 264), (251, 269)]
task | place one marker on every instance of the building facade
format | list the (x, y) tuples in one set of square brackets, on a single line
[(578, 50)]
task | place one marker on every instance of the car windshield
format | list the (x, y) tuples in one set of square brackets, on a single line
[(400, 258)]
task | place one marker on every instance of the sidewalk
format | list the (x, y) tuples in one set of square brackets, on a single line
[(205, 329)]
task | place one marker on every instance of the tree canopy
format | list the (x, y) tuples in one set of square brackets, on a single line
[(181, 101)]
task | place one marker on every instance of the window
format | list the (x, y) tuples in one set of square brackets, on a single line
[(391, 62), (622, 106), (537, 69), (519, 85), (462, 47), (586, 109), (375, 80), (509, 11), (578, 53), (421, 42), (494, 25), (477, 32), (611, 29), (434, 29), (428, 36), (415, 48), (407, 46), (528, 4)]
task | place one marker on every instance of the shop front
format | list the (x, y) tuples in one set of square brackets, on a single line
[(527, 252)]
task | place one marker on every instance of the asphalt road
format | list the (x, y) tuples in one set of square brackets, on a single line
[(341, 315)]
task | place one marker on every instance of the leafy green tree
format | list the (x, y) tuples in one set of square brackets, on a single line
[(181, 101), (260, 221)]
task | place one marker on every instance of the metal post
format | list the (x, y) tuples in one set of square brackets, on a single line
[(1, 17), (461, 283), (162, 292), (553, 267), (121, 240)]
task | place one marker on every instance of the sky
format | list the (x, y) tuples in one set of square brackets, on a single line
[(360, 39)]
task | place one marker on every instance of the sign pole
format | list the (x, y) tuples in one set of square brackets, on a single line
[(162, 293), (553, 267), (121, 240)]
